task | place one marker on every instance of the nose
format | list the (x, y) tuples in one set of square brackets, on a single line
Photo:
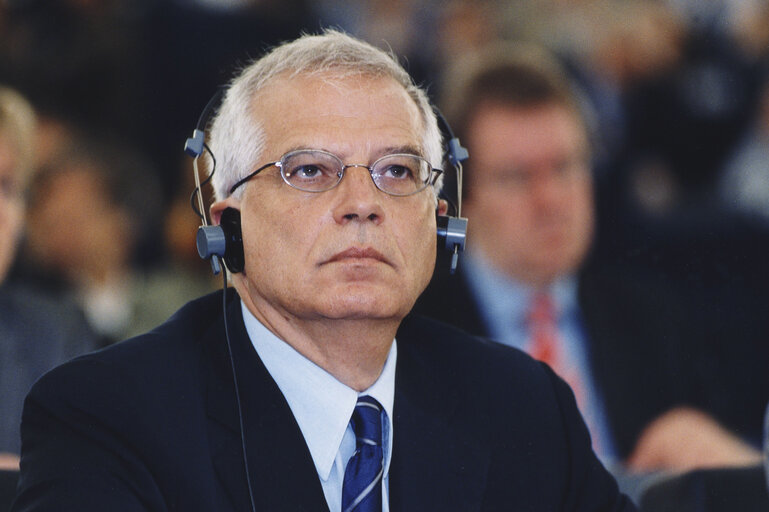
[(357, 198), (548, 187)]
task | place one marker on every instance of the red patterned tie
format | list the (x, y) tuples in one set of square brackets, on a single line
[(545, 344)]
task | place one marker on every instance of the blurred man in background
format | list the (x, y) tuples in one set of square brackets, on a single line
[(616, 334)]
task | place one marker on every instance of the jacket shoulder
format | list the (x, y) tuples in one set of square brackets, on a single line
[(151, 361)]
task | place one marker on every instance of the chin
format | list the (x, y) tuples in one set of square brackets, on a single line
[(363, 302)]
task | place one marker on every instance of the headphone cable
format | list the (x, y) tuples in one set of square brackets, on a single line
[(237, 392)]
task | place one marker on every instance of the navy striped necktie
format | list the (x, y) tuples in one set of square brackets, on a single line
[(362, 489)]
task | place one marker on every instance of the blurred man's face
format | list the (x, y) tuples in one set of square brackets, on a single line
[(11, 205), (353, 251), (531, 204), (84, 240)]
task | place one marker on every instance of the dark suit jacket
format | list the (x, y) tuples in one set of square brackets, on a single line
[(635, 328), (740, 489), (8, 481), (151, 424)]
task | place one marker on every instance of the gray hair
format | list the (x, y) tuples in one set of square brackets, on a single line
[(237, 136), (17, 123)]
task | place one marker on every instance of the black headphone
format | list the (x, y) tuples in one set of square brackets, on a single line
[(225, 241)]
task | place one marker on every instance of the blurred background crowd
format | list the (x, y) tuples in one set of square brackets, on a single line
[(675, 94)]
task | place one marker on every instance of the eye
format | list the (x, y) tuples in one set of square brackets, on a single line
[(305, 172), (516, 177), (401, 167), (397, 172), (572, 168), (311, 170), (297, 172)]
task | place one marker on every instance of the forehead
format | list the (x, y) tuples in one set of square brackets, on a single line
[(526, 132), (345, 115)]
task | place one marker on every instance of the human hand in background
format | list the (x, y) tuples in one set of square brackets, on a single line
[(683, 439), (9, 461)]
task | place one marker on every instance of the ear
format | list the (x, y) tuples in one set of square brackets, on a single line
[(443, 207), (218, 207)]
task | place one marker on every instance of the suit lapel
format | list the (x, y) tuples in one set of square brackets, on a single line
[(437, 464), (283, 476)]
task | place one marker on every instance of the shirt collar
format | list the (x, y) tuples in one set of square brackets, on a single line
[(505, 297), (320, 403)]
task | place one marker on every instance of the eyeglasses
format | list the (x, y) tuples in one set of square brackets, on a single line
[(314, 170)]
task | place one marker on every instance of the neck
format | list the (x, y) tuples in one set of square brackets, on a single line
[(530, 279), (354, 351)]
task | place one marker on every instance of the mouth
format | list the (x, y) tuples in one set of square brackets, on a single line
[(358, 254)]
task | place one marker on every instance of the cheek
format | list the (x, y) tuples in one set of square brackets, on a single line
[(583, 211), (423, 248), (278, 240), (507, 215), (11, 217)]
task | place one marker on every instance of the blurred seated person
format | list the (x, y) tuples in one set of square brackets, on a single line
[(180, 275), (744, 184), (615, 334), (89, 249), (37, 331)]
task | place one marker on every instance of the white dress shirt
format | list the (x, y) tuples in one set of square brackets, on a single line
[(323, 407)]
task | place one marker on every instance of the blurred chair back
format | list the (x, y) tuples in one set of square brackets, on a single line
[(8, 480), (710, 490)]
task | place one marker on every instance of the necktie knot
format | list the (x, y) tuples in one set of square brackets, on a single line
[(367, 422), (542, 311)]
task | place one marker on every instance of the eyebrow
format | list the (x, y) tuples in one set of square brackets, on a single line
[(408, 149), (389, 150)]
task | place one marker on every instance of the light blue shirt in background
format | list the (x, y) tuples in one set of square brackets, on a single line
[(504, 306), (323, 407)]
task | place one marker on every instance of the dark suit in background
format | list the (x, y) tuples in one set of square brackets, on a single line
[(634, 328), (151, 424)]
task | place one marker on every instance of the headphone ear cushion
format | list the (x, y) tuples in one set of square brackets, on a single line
[(233, 254)]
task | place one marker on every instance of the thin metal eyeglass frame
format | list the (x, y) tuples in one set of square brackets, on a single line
[(432, 177)]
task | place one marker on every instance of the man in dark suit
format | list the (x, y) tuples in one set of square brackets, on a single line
[(324, 154), (614, 333)]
